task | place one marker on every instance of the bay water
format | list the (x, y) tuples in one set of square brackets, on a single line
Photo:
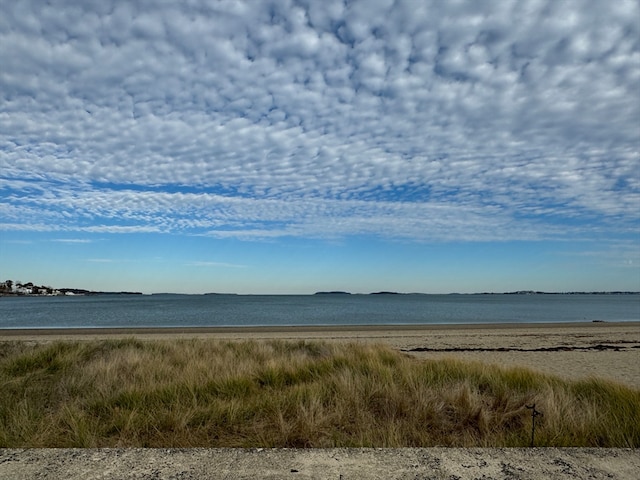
[(167, 310)]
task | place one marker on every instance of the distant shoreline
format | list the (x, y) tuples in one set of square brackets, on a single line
[(67, 293), (88, 293)]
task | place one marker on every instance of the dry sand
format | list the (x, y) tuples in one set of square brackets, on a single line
[(580, 350), (570, 350)]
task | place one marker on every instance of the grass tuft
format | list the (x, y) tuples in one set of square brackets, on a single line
[(204, 393)]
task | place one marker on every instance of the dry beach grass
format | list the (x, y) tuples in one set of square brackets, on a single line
[(194, 392)]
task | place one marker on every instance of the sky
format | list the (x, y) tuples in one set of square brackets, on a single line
[(296, 146)]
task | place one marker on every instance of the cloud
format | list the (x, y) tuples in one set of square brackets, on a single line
[(19, 242), (128, 211), (215, 265), (72, 240), (441, 121), (617, 254)]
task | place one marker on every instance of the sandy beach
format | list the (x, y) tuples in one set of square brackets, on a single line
[(570, 350), (574, 351)]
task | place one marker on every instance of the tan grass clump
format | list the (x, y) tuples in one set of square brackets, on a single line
[(203, 393)]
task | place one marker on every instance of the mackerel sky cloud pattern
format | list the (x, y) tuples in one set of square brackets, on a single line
[(422, 121)]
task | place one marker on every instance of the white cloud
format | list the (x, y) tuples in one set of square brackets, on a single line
[(436, 121), (72, 240), (215, 265)]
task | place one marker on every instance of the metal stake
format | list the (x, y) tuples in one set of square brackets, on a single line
[(534, 413)]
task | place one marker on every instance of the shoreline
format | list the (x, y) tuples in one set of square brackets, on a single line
[(392, 329)]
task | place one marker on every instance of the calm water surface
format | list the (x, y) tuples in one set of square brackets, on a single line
[(267, 310)]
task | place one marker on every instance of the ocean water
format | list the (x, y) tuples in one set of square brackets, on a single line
[(283, 310)]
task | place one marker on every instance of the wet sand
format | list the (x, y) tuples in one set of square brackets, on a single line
[(570, 350)]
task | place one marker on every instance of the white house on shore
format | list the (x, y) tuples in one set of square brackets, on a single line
[(12, 288)]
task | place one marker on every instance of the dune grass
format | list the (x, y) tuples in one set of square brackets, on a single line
[(205, 393)]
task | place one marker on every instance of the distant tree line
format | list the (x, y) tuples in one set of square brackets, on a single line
[(9, 287)]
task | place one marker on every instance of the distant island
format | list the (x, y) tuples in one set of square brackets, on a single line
[(519, 292), (531, 292), (339, 292)]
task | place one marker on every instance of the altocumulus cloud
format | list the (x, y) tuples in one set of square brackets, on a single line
[(415, 120)]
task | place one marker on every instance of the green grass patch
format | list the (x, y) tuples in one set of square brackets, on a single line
[(206, 393)]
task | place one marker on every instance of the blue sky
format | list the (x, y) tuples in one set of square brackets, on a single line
[(296, 146)]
